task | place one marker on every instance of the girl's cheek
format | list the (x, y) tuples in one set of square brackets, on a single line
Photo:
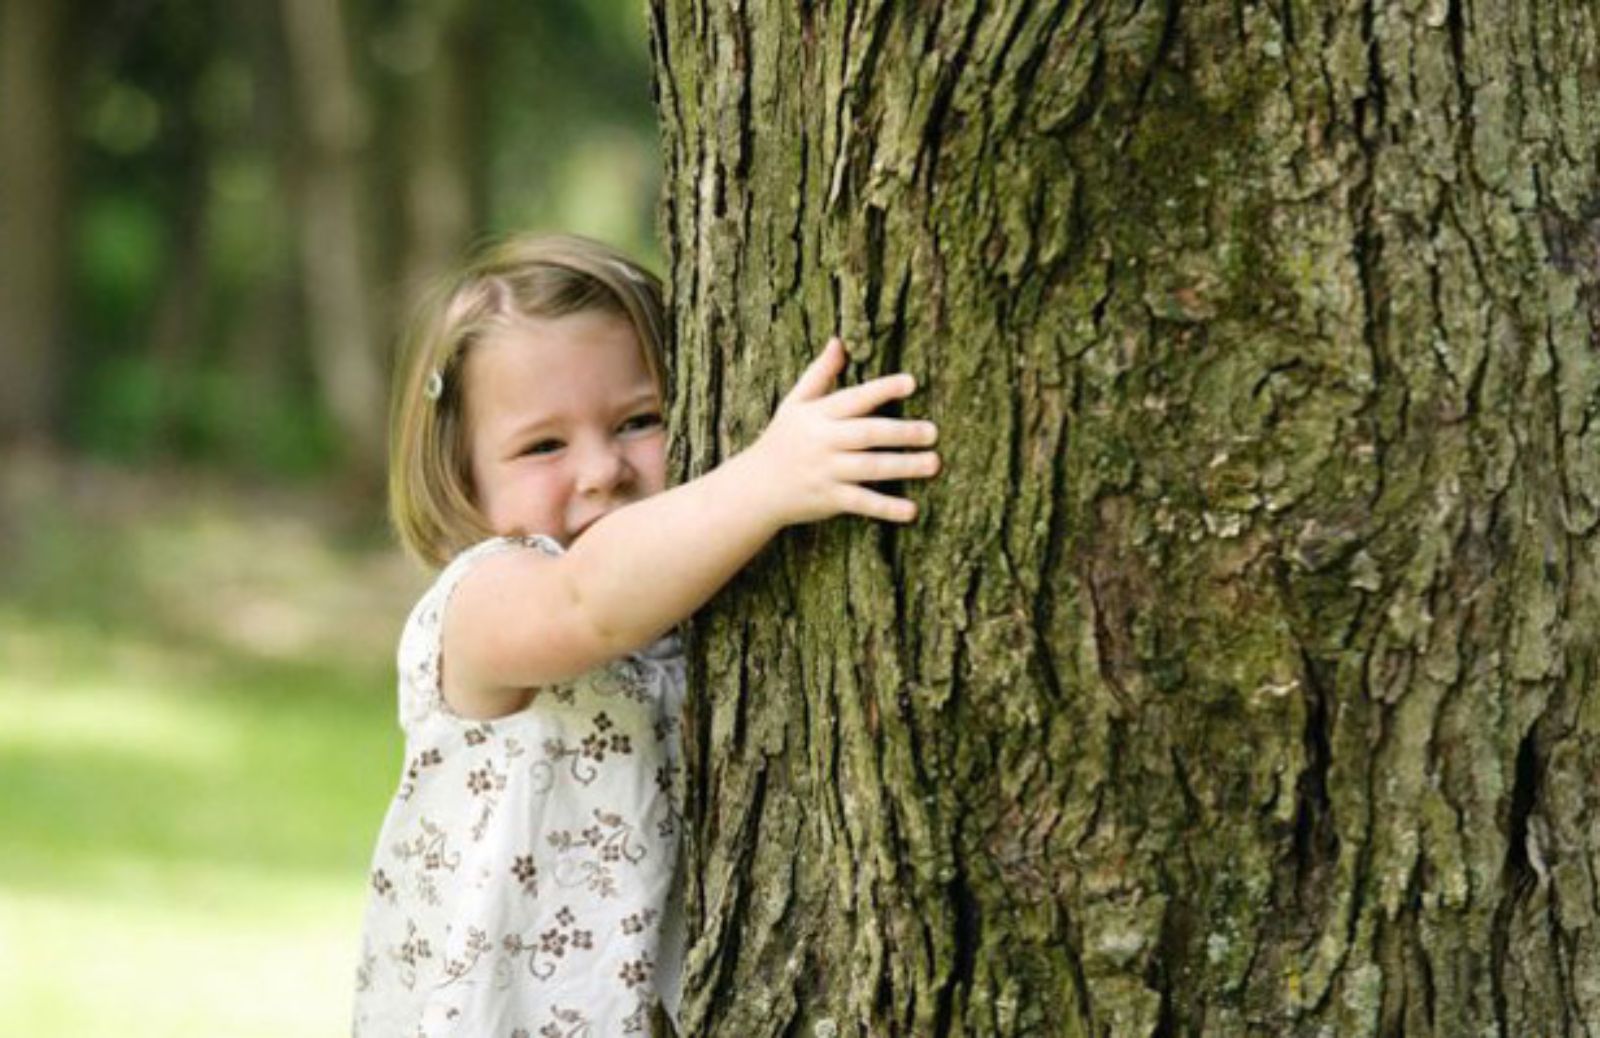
[(543, 480), (525, 480), (653, 463)]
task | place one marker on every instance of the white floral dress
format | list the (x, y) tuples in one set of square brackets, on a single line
[(522, 885)]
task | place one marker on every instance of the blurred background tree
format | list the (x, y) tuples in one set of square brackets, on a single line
[(212, 219), (212, 215)]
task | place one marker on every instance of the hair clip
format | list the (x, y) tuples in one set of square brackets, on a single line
[(629, 272), (434, 388)]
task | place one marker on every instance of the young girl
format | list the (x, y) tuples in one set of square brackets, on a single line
[(521, 883)]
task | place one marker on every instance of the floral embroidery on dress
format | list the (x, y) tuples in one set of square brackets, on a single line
[(460, 966), (522, 871), (636, 922), (485, 780), (527, 874), (589, 856), (412, 950), (638, 1021), (631, 678), (567, 1023), (637, 971), (432, 846), (369, 962), (667, 781), (545, 952), (426, 759), (585, 758)]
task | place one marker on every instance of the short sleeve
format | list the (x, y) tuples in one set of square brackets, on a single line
[(418, 661)]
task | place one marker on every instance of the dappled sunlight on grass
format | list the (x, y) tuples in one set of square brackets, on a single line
[(202, 951), (106, 712), (196, 748)]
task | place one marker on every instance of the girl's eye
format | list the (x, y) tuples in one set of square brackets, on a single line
[(542, 447), (643, 421)]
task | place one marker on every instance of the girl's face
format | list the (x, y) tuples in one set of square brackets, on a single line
[(564, 424)]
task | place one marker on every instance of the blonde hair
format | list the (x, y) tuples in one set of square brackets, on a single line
[(547, 276)]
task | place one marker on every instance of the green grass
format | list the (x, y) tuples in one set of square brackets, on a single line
[(197, 743)]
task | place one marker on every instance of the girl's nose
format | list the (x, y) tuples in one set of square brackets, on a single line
[(604, 469)]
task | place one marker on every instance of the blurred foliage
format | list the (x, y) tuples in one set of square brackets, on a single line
[(197, 743), (186, 305), (198, 615), (581, 152)]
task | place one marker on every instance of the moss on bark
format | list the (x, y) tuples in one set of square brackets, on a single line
[(1240, 677)]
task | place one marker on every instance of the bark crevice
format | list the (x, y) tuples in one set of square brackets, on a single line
[(1261, 339)]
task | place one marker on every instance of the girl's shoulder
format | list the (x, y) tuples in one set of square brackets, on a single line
[(428, 613), (419, 659), (458, 566)]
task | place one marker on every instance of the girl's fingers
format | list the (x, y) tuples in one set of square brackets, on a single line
[(818, 377), (859, 434), (861, 501), (876, 467), (869, 396)]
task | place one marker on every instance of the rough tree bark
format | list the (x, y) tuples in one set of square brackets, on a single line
[(1241, 677)]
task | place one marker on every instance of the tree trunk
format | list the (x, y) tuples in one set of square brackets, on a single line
[(1241, 675), (334, 230), (440, 147), (266, 348), (36, 82)]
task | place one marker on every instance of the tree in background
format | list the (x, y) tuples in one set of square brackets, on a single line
[(332, 237), (212, 216), (1241, 676), (36, 93)]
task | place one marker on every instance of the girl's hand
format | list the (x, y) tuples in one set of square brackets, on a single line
[(820, 447), (520, 620)]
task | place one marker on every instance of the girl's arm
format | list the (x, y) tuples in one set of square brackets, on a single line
[(522, 619)]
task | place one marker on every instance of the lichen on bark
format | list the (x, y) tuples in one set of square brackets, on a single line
[(1240, 676)]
